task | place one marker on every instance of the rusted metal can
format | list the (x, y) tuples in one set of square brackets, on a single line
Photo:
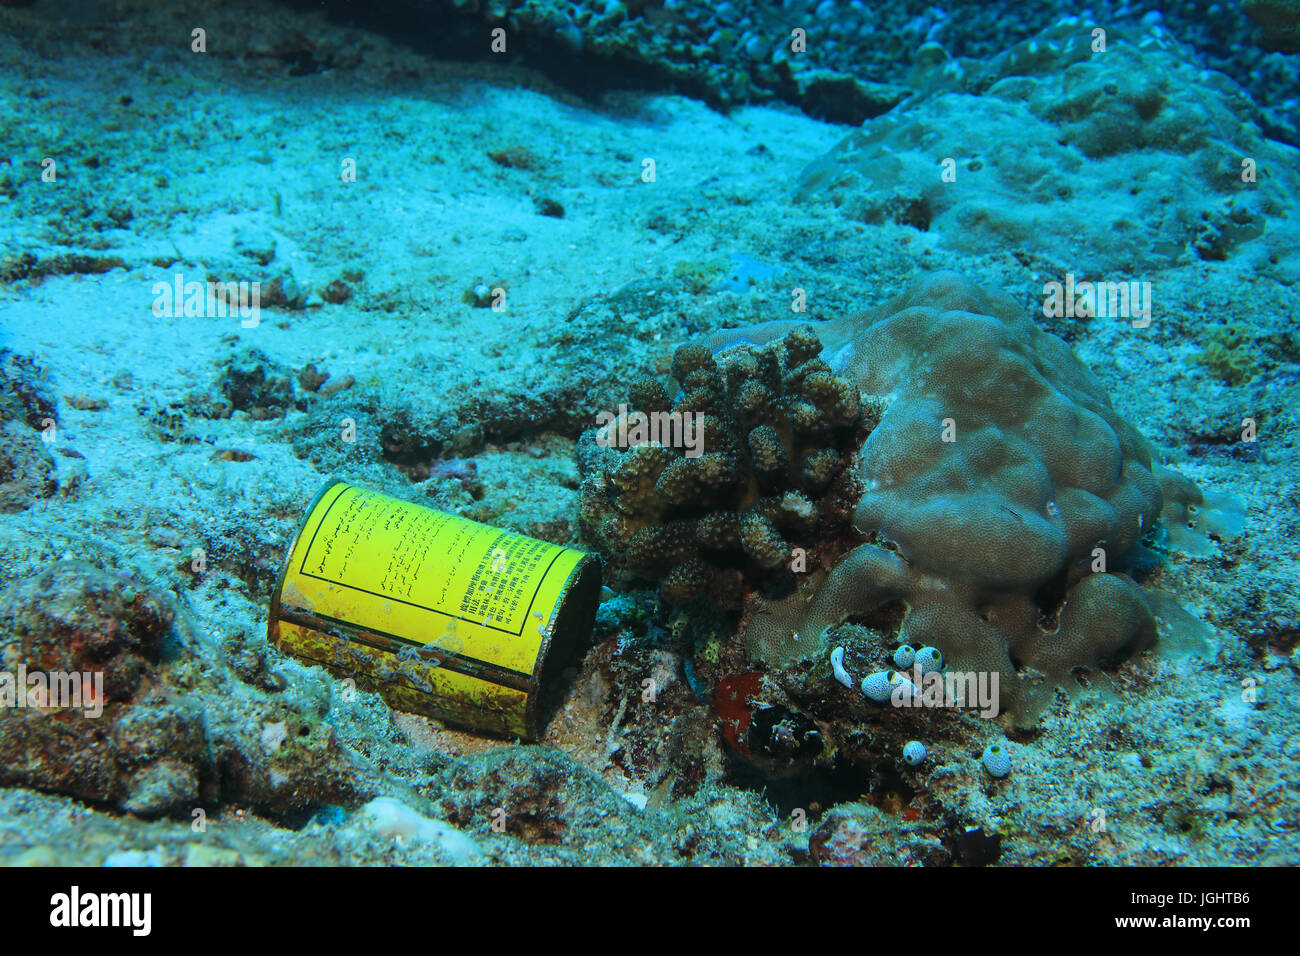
[(441, 615)]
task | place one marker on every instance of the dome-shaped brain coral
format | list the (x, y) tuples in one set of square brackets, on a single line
[(1001, 490)]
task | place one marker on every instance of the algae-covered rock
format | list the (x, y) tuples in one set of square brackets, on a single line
[(28, 417), (113, 711), (26, 468), (1109, 153)]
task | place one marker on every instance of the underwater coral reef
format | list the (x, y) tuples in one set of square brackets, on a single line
[(517, 433)]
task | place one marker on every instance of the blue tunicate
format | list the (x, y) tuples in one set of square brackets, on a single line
[(929, 659), (997, 760), (878, 686), (914, 753), (837, 668), (904, 656)]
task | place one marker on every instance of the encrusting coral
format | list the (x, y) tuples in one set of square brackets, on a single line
[(1001, 492), (766, 491)]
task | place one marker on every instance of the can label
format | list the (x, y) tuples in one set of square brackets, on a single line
[(445, 616)]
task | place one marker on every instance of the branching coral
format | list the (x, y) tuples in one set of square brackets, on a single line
[(770, 477)]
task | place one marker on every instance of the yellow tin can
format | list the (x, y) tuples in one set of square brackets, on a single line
[(441, 615)]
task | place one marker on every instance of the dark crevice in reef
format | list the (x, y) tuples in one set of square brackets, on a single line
[(444, 34), (783, 746), (591, 75), (813, 788), (1049, 597), (886, 619), (440, 33), (889, 790), (971, 846)]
